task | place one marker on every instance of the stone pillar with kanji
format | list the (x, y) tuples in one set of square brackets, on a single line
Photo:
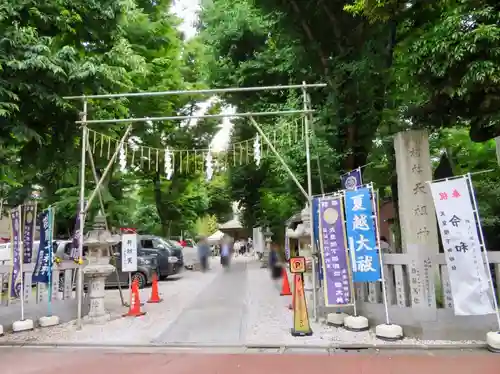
[(417, 220)]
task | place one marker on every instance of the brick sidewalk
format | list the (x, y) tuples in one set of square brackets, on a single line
[(39, 361)]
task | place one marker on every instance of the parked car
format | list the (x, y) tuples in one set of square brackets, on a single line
[(147, 264), (190, 253), (170, 257), (183, 241)]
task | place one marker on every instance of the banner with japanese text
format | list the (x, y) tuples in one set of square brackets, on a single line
[(15, 239), (287, 245), (43, 265), (315, 223), (467, 273), (361, 236), (336, 275), (29, 220), (352, 179)]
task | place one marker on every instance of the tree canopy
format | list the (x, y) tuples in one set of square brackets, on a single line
[(388, 65)]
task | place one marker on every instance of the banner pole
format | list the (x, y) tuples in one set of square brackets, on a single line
[(377, 237), (351, 260), (79, 286), (21, 260), (51, 259), (483, 246), (314, 269)]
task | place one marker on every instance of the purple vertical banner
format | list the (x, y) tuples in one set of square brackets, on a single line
[(351, 180), (28, 231), (336, 276), (287, 245), (43, 264), (15, 239)]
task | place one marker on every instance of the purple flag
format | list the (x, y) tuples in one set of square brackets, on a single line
[(287, 245), (352, 179), (336, 276), (15, 239), (43, 264), (28, 231)]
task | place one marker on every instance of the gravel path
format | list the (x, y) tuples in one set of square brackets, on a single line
[(269, 321), (176, 294)]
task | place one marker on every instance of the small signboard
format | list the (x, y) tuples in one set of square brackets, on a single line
[(298, 265), (129, 252)]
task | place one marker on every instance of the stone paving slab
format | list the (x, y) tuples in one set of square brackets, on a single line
[(217, 314), (24, 361)]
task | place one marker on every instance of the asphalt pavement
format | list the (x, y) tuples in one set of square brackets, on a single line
[(84, 361)]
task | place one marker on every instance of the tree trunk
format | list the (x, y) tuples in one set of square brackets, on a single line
[(165, 225)]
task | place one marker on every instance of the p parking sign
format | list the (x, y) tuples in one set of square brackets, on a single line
[(298, 265)]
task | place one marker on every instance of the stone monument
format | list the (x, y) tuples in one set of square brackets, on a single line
[(417, 218), (98, 240)]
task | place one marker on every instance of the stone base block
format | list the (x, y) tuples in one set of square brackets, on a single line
[(493, 341), (24, 325), (48, 321), (356, 323), (335, 319), (98, 320), (389, 332)]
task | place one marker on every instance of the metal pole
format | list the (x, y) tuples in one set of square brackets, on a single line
[(212, 91), (108, 167), (377, 237), (101, 202), (309, 198), (79, 287), (290, 172), (484, 251), (183, 118), (21, 260)]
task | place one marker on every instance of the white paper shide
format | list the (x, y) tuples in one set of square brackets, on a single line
[(129, 252), (467, 272)]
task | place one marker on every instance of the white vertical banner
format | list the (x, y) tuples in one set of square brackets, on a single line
[(129, 252), (466, 269)]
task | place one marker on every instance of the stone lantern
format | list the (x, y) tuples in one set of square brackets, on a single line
[(268, 239), (98, 240)]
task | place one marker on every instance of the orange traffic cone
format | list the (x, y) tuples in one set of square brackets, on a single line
[(135, 302), (155, 296), (285, 287)]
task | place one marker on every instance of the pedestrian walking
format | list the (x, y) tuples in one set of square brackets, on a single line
[(203, 252), (225, 252), (275, 266)]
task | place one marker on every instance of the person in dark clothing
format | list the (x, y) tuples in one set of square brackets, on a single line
[(275, 266), (203, 253)]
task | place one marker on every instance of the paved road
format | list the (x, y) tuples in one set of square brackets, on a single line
[(218, 314), (39, 361)]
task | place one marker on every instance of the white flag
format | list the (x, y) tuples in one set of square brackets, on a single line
[(467, 271)]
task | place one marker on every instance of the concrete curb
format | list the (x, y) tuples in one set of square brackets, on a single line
[(247, 347)]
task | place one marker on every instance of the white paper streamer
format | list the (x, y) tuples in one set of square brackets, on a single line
[(122, 159), (256, 150), (209, 170), (169, 168)]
